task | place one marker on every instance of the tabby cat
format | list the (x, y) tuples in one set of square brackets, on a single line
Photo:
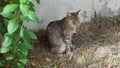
[(59, 33)]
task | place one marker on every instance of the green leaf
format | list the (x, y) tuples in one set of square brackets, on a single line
[(22, 58), (55, 66), (23, 18), (8, 15), (32, 35), (19, 65), (29, 46), (24, 61), (24, 51), (9, 8), (7, 40), (31, 4), (4, 49), (14, 2), (24, 1), (24, 9), (23, 48), (82, 57), (32, 16), (9, 57), (38, 1), (12, 25), (24, 35), (27, 35)]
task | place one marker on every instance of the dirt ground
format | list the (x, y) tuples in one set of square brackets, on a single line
[(97, 46)]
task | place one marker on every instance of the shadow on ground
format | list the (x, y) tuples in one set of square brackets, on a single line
[(97, 46)]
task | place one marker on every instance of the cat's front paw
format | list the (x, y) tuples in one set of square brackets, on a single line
[(70, 55)]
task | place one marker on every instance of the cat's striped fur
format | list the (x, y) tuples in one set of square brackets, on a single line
[(59, 33)]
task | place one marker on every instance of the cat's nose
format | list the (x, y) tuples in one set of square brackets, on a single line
[(75, 33)]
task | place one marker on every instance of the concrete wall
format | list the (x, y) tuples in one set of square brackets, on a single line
[(50, 10)]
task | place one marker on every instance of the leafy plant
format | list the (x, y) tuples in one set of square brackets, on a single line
[(82, 57), (90, 62), (1, 62), (16, 37), (55, 66)]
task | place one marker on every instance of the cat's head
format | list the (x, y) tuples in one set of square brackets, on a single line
[(73, 17)]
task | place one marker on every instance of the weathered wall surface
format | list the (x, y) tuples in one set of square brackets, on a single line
[(50, 10)]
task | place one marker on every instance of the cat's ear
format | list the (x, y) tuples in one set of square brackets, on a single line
[(69, 14), (78, 12)]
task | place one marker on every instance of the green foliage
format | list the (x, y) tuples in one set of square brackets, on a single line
[(90, 62), (1, 63), (7, 41), (82, 57), (24, 9), (16, 38), (9, 8), (12, 25), (55, 66), (32, 16), (1, 28)]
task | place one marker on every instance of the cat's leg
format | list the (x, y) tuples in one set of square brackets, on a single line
[(68, 44), (67, 40), (71, 45)]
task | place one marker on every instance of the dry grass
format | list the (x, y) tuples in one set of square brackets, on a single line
[(97, 46)]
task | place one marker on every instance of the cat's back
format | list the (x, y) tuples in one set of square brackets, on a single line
[(54, 25), (54, 31)]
